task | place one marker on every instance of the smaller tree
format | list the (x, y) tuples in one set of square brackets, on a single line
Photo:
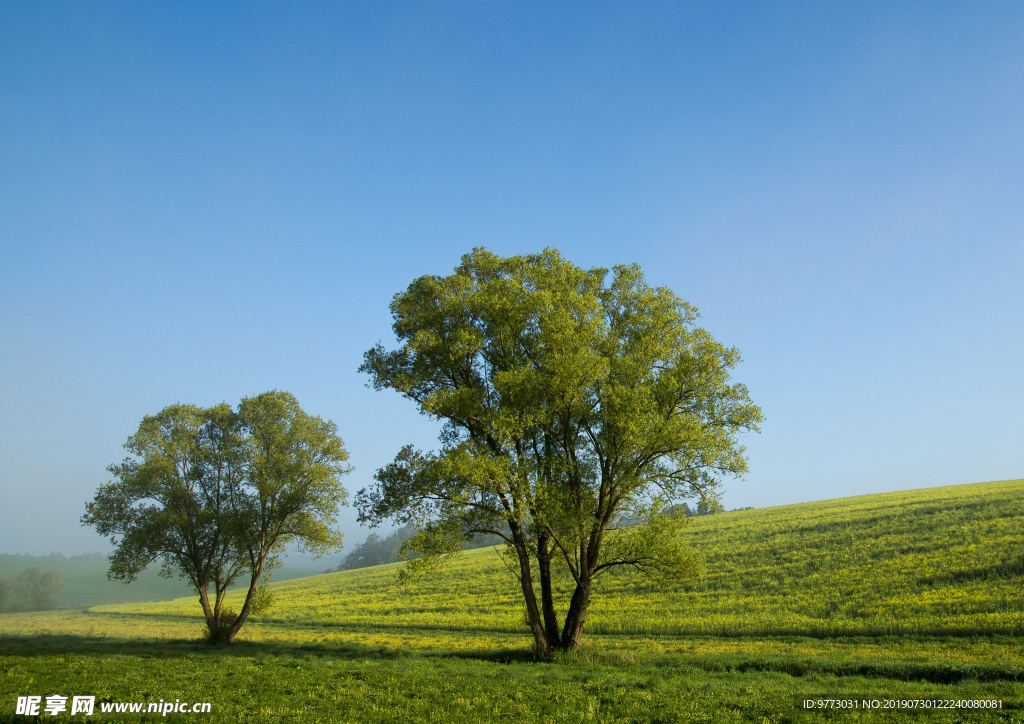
[(214, 494)]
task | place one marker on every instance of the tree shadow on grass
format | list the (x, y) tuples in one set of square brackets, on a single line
[(70, 644), (50, 644), (58, 643)]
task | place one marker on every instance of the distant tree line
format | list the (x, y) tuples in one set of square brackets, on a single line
[(683, 509), (375, 551), (30, 590), (55, 555), (13, 563), (707, 508)]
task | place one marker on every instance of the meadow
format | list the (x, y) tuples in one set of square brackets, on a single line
[(907, 596), (935, 562)]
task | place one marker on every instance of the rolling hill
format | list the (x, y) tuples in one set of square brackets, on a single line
[(942, 561)]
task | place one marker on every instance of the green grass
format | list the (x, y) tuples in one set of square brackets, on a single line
[(912, 595), (309, 673)]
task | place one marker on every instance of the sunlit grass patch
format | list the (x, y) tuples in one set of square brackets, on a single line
[(367, 676)]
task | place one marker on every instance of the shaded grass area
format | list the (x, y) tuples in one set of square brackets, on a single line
[(364, 674)]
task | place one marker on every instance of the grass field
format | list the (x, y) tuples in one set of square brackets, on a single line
[(913, 595), (940, 561)]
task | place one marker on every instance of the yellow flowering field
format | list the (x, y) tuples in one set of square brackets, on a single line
[(933, 562)]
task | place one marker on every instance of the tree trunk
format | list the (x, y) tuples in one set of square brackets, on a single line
[(526, 581), (576, 617), (546, 595), (218, 607), (211, 616), (244, 613)]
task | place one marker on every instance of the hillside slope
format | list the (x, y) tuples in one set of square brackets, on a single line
[(936, 561)]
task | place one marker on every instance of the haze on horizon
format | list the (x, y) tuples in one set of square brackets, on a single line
[(205, 201)]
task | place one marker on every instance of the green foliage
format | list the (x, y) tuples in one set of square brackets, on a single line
[(38, 590), (655, 548), (291, 487), (293, 465), (570, 404), (263, 601)]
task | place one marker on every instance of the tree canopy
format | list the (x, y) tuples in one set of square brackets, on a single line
[(215, 493), (577, 410)]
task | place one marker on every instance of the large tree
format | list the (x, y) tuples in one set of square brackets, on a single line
[(577, 412), (215, 494)]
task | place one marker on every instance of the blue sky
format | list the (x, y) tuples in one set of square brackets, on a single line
[(201, 202)]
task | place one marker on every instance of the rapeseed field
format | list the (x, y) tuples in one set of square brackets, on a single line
[(937, 562)]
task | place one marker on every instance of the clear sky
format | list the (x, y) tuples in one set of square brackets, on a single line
[(202, 202)]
